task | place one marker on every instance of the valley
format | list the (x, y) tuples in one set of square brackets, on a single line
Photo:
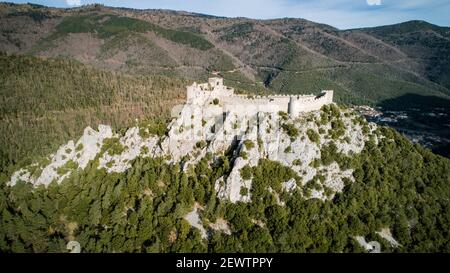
[(430, 128)]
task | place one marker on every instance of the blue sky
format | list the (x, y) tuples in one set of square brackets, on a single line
[(339, 13)]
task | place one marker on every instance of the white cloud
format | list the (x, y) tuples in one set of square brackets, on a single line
[(73, 2), (373, 2)]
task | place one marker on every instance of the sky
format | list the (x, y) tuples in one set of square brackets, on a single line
[(343, 14)]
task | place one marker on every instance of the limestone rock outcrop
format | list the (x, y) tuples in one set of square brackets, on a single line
[(68, 158), (205, 126)]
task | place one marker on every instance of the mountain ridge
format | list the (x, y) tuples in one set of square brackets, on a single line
[(256, 55)]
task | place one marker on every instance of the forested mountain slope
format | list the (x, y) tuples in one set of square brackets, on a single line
[(281, 55), (318, 195), (45, 102)]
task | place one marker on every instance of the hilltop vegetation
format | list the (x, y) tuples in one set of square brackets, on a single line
[(45, 102)]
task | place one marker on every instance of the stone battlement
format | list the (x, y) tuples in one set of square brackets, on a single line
[(214, 92)]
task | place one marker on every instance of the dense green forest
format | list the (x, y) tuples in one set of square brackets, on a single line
[(46, 102), (108, 25), (397, 184)]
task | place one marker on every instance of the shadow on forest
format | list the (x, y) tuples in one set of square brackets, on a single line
[(408, 101), (427, 115)]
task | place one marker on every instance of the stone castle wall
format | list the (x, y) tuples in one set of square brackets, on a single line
[(206, 93)]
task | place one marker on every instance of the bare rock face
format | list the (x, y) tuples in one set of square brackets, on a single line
[(374, 246), (68, 158), (73, 246), (198, 131), (90, 144), (371, 247), (386, 234), (222, 225), (133, 146), (290, 185), (234, 184), (194, 220), (298, 153)]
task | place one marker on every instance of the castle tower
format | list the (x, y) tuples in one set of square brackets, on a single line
[(215, 82), (328, 96), (293, 106), (191, 92)]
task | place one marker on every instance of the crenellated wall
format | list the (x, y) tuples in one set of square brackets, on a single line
[(298, 104), (206, 93)]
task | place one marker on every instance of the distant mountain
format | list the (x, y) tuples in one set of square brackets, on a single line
[(283, 55)]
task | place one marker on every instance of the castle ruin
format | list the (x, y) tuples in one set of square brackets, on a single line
[(214, 92)]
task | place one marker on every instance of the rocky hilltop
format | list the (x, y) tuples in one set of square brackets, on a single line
[(324, 180), (402, 67), (246, 136), (221, 175), (315, 147)]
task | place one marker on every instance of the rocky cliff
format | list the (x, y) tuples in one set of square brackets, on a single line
[(326, 180), (297, 143)]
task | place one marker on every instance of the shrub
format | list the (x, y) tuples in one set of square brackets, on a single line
[(113, 146), (290, 129), (79, 147), (243, 191), (69, 166), (313, 184), (283, 115), (200, 144), (327, 191), (249, 144), (243, 154), (365, 129), (260, 143), (334, 111), (144, 150), (148, 127), (316, 163), (337, 129), (297, 162), (246, 172), (325, 108), (110, 164), (313, 136)]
